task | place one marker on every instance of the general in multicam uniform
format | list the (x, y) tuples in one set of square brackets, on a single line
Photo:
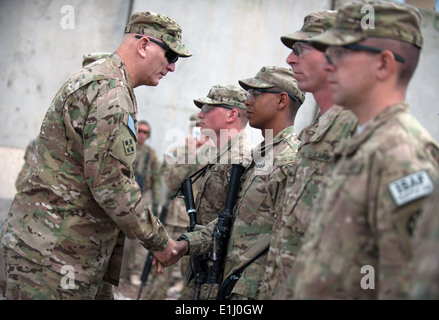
[(80, 199)]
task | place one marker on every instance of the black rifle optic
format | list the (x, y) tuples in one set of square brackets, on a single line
[(221, 232)]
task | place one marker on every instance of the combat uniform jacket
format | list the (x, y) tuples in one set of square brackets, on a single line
[(425, 264), (314, 156), (212, 194), (173, 175), (148, 169), (81, 193), (357, 245), (260, 194)]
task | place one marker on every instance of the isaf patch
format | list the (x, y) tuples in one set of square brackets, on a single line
[(129, 146), (411, 187)]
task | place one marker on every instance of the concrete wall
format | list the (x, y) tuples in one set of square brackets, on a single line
[(230, 40)]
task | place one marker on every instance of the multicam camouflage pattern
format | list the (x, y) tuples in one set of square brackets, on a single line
[(257, 201), (303, 184), (173, 176), (28, 155), (208, 204), (81, 197), (44, 283), (357, 223), (176, 222), (89, 58), (313, 25), (425, 262), (273, 76), (393, 20), (148, 167), (161, 27), (229, 95)]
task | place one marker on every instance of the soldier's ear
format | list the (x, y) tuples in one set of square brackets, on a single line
[(142, 46), (283, 100)]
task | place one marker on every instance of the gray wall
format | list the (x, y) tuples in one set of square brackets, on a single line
[(230, 40)]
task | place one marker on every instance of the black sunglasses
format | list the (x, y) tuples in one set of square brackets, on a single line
[(359, 47), (169, 54), (273, 91)]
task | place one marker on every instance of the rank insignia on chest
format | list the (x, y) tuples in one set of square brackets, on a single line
[(129, 146)]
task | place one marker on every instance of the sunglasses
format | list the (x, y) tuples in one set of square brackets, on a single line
[(334, 54), (169, 54), (144, 131), (207, 107), (253, 93)]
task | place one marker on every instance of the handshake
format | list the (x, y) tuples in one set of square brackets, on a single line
[(170, 255)]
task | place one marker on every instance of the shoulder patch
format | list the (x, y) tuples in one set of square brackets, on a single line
[(128, 144), (411, 187)]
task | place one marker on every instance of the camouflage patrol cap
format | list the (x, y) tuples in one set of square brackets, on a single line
[(229, 95), (313, 24), (383, 19), (158, 26), (272, 76)]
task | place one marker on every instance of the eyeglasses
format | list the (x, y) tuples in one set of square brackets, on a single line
[(207, 107), (334, 54), (300, 47), (252, 94), (143, 131), (169, 54)]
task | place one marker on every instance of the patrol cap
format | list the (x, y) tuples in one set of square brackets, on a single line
[(158, 26), (313, 25), (391, 20), (272, 76), (229, 95)]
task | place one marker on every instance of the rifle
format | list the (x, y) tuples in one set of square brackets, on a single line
[(148, 261), (222, 228), (186, 190)]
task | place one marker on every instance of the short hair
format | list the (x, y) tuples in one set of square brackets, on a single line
[(409, 52)]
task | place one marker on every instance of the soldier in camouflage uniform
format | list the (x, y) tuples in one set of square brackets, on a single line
[(425, 262), (314, 156), (223, 118), (273, 100), (358, 242), (64, 233), (148, 178)]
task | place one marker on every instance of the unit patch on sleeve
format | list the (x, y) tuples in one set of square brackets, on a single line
[(128, 144), (411, 187)]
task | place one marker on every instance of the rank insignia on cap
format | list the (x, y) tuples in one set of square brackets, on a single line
[(411, 187), (129, 146)]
